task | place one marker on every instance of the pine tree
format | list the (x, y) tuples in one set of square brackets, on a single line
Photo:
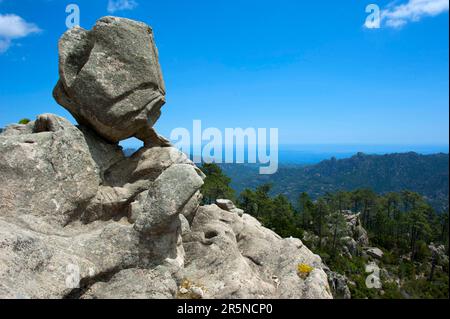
[(217, 184)]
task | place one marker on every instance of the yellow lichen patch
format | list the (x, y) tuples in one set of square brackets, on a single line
[(303, 270), (186, 284), (189, 290)]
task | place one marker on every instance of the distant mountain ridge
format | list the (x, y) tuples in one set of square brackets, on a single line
[(425, 174)]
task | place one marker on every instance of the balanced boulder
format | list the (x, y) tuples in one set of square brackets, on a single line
[(110, 78)]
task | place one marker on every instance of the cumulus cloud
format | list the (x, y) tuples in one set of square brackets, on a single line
[(119, 5), (14, 27), (397, 15)]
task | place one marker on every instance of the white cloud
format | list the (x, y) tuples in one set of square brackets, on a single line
[(14, 27), (119, 5), (397, 15)]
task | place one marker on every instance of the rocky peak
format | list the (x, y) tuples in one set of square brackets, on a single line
[(79, 219)]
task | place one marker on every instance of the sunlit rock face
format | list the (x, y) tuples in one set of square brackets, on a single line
[(110, 78)]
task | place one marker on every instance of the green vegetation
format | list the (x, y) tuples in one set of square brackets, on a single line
[(217, 185), (24, 121), (275, 213), (423, 174), (402, 224)]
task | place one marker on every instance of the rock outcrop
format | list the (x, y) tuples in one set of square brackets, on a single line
[(233, 256), (355, 229), (229, 206), (439, 254), (110, 78), (338, 284), (375, 252), (47, 171), (79, 219)]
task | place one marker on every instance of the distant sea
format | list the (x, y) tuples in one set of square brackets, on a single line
[(312, 154), (315, 153)]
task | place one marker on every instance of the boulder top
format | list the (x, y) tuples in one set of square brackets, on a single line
[(111, 79)]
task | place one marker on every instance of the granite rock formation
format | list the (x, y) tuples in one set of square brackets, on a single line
[(79, 219)]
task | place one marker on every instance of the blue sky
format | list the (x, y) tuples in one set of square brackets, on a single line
[(309, 68)]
